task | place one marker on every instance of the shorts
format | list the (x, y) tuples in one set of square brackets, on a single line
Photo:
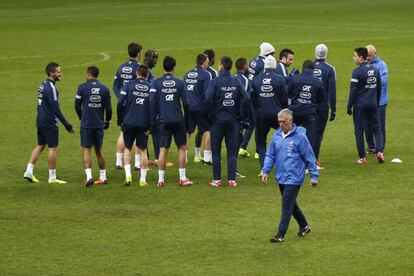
[(91, 137), (196, 118), (167, 130), (48, 135), (135, 134)]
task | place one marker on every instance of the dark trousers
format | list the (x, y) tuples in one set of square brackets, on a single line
[(367, 118), (290, 207), (307, 121), (230, 132), (263, 127), (321, 119), (246, 136), (369, 134)]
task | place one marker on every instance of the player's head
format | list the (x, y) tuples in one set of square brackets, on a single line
[(211, 56), (372, 52), (226, 63), (285, 120), (92, 72), (286, 56), (151, 58), (134, 50), (321, 51), (270, 62), (242, 65), (266, 49), (169, 64), (202, 60), (360, 55), (53, 71), (308, 64), (143, 71)]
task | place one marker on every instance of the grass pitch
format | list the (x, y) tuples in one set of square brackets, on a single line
[(361, 216)]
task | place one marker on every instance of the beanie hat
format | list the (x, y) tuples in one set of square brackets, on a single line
[(321, 51), (266, 49), (270, 62)]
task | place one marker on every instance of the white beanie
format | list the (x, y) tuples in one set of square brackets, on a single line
[(266, 48), (270, 62), (321, 51)]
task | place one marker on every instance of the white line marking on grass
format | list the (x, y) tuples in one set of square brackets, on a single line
[(105, 57)]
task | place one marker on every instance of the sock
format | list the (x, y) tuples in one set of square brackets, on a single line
[(52, 174), (127, 170), (137, 160), (144, 175), (198, 152), (102, 174), (182, 174), (88, 172), (161, 174), (207, 155), (119, 156), (29, 168)]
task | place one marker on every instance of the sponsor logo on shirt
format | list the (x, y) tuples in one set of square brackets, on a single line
[(192, 75), (127, 70), (168, 83), (95, 98), (141, 87), (317, 72), (266, 88)]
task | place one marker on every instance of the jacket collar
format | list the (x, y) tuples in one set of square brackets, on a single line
[(224, 73)]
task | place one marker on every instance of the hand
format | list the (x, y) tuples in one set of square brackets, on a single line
[(70, 129), (106, 125), (349, 111), (333, 115), (314, 182), (264, 177), (294, 72)]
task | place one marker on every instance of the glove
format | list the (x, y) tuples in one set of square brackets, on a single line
[(69, 127), (333, 114), (294, 72), (349, 111), (106, 125)]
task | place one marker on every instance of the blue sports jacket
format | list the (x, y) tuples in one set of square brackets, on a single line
[(256, 66), (326, 73), (126, 72), (133, 104), (212, 71), (196, 84), (383, 72), (48, 109), (91, 101), (292, 156)]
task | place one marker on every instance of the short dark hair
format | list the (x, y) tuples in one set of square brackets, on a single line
[(285, 53), (169, 63), (201, 58), (210, 53), (226, 62), (240, 63), (143, 71), (134, 49), (93, 71), (51, 67), (150, 53), (308, 64), (362, 52)]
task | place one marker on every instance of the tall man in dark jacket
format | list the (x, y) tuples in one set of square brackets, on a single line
[(226, 104), (363, 102), (92, 102)]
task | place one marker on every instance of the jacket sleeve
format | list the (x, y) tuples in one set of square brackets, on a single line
[(245, 103), (117, 85), (384, 79), (270, 157), (108, 108), (379, 89), (120, 108), (209, 99), (78, 103), (321, 93), (184, 99), (308, 156), (332, 89), (353, 91), (54, 103), (154, 102), (283, 95)]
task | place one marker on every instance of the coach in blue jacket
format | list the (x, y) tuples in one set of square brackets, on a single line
[(226, 104), (290, 150)]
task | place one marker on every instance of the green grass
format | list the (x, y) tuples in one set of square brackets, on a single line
[(361, 217)]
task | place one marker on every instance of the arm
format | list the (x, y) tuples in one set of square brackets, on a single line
[(283, 95), (108, 110), (154, 101), (379, 89), (270, 159), (208, 100), (308, 156), (78, 103), (352, 92), (117, 85), (384, 79), (332, 90), (121, 105), (53, 100)]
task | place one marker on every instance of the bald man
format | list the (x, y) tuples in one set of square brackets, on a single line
[(378, 63)]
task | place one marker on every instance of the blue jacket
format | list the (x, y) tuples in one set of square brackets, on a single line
[(365, 88), (91, 101), (326, 73), (256, 66), (226, 100), (48, 110), (282, 70), (196, 84), (269, 94), (212, 71), (306, 91), (383, 71), (126, 72), (133, 104), (166, 95), (292, 155)]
